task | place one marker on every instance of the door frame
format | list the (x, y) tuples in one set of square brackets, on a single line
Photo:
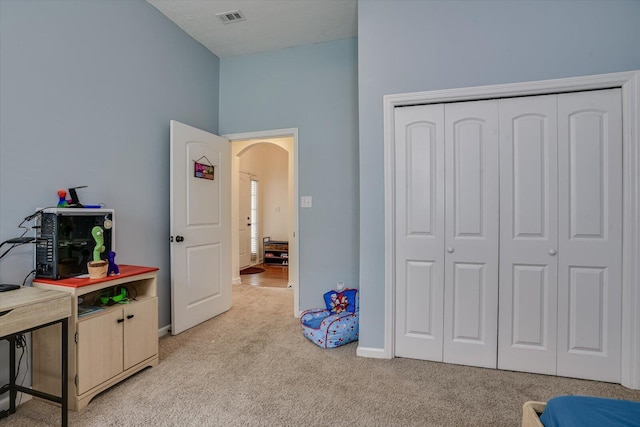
[(251, 226), (629, 83), (239, 143)]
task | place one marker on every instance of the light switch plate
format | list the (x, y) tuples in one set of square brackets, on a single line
[(306, 201)]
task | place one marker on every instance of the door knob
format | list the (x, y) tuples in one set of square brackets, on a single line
[(179, 239), (450, 249), (552, 252)]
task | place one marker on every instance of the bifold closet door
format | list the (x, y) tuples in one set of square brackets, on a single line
[(419, 231), (590, 234), (528, 234), (446, 186), (561, 234), (471, 223)]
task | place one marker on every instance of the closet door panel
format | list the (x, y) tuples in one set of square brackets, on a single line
[(471, 260), (468, 289), (419, 189), (590, 234), (528, 234)]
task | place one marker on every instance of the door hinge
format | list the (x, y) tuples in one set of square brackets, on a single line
[(76, 380), (75, 338)]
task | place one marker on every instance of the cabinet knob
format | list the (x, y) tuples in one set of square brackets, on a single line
[(450, 249), (120, 320), (130, 316), (552, 252)]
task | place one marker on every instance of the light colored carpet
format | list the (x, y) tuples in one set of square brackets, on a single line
[(252, 367)]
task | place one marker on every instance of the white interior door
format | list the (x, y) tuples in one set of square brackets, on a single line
[(590, 234), (419, 165), (471, 236), (200, 227), (244, 220), (528, 234)]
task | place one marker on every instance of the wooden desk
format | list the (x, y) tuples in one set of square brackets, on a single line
[(25, 310)]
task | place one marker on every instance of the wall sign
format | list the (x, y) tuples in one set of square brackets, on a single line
[(203, 170)]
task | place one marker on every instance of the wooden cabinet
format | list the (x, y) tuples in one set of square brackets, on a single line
[(106, 345), (275, 251)]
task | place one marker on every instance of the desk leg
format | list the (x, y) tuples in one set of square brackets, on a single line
[(12, 374), (65, 365)]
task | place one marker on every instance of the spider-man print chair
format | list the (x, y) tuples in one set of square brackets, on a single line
[(335, 325)]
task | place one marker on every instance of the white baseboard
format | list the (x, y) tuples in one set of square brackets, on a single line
[(164, 331), (236, 280), (373, 353), (20, 399)]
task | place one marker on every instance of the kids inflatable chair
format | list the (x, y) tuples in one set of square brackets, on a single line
[(337, 324)]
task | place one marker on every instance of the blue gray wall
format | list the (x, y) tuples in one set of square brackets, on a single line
[(313, 88), (408, 46), (87, 89)]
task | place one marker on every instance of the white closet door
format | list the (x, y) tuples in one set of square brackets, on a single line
[(590, 234), (419, 212), (528, 234), (471, 260)]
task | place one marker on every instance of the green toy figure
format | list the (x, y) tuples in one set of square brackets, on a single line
[(98, 236)]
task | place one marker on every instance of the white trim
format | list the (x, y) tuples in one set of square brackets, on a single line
[(630, 232), (294, 247), (629, 82), (164, 331), (21, 399), (371, 352)]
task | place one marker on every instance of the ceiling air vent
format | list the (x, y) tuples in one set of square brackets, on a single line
[(231, 17)]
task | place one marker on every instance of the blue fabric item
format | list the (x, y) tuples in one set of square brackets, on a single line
[(327, 329), (584, 411), (314, 322), (337, 301)]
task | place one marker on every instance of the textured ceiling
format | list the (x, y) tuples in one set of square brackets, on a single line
[(270, 24)]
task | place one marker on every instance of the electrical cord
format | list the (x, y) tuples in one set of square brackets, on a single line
[(24, 282), (15, 243), (132, 295), (21, 240), (21, 343)]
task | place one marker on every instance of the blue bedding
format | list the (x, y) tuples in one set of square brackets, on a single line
[(583, 411)]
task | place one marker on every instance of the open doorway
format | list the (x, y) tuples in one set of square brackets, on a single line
[(284, 141)]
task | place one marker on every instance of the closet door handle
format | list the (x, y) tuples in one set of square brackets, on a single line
[(450, 249), (552, 252)]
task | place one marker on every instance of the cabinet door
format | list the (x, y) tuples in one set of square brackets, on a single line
[(590, 234), (140, 331), (528, 234), (471, 237), (419, 233), (99, 349)]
